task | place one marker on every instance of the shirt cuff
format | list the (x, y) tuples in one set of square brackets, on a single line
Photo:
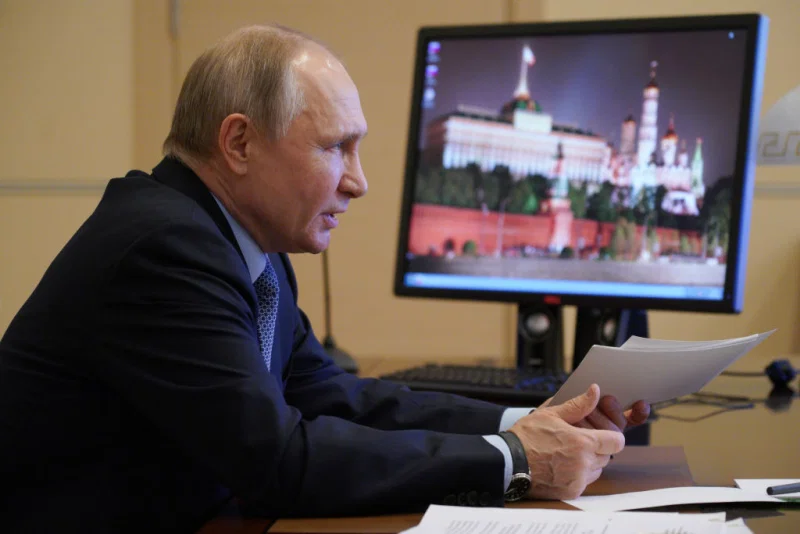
[(501, 445), (511, 416)]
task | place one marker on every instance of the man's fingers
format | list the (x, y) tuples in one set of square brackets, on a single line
[(607, 441), (600, 421), (638, 413), (609, 406)]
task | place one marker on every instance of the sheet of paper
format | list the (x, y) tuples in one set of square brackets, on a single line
[(645, 343), (761, 484), (632, 374), (461, 520), (640, 500)]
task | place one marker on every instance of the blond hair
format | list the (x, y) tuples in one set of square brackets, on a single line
[(247, 72)]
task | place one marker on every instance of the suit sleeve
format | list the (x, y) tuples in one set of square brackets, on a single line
[(177, 342), (316, 386)]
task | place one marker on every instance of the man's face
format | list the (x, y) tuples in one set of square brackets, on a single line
[(300, 183)]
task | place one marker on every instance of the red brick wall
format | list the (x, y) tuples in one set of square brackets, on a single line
[(432, 225)]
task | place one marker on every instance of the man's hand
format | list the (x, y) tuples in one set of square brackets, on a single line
[(565, 458), (609, 415)]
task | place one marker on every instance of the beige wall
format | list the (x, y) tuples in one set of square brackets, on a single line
[(100, 97), (66, 110)]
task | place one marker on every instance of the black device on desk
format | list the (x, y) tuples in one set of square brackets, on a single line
[(607, 165)]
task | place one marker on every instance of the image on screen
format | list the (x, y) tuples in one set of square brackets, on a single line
[(587, 164)]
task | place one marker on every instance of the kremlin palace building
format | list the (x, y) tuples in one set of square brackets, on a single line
[(525, 138)]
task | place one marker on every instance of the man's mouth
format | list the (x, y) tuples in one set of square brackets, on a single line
[(330, 220)]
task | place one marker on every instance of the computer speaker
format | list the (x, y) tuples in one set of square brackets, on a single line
[(540, 337)]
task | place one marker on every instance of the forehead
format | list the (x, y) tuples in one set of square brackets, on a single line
[(331, 98)]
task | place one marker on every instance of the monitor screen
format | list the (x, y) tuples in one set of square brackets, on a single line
[(603, 163)]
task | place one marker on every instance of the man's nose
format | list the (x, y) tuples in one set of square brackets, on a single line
[(354, 183)]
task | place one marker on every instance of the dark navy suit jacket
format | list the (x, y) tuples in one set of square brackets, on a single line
[(134, 398)]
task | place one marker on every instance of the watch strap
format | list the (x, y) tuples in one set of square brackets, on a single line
[(519, 460)]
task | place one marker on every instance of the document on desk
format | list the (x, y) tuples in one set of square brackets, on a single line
[(654, 370), (460, 520), (639, 500), (760, 485)]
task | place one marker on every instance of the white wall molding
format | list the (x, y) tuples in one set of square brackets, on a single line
[(52, 186)]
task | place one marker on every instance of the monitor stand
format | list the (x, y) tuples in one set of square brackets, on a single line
[(540, 333)]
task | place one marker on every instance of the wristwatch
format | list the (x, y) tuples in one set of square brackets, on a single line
[(520, 471)]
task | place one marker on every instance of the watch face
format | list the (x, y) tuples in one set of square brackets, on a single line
[(519, 486)]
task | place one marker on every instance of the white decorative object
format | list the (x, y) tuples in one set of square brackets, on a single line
[(779, 138)]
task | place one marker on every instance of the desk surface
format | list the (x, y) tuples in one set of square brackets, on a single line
[(760, 441)]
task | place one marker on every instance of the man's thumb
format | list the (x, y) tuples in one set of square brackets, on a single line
[(578, 408)]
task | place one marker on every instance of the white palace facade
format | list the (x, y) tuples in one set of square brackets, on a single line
[(528, 141)]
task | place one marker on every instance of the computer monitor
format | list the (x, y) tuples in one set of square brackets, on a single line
[(605, 164)]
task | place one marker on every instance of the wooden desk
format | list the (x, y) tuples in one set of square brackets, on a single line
[(635, 469), (687, 446)]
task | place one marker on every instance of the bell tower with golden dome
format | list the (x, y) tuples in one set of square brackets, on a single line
[(648, 129)]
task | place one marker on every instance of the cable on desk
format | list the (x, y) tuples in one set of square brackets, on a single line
[(743, 373), (779, 372)]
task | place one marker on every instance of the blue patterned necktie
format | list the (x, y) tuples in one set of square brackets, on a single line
[(267, 294)]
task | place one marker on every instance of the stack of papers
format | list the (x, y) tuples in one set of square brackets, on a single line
[(654, 370), (461, 520), (639, 500)]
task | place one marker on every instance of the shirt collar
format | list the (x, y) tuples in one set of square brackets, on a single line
[(254, 257)]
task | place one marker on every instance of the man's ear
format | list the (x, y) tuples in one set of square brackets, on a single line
[(235, 132)]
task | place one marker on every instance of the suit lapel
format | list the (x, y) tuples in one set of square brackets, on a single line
[(172, 173)]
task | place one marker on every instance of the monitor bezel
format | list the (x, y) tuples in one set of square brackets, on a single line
[(756, 26)]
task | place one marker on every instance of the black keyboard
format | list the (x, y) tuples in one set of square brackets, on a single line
[(502, 385)]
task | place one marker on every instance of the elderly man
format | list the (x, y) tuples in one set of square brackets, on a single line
[(162, 366)]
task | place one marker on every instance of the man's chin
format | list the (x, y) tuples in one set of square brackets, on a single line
[(318, 244)]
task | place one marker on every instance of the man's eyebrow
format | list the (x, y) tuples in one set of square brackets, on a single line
[(354, 136)]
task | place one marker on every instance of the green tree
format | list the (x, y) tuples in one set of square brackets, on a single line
[(457, 190), (469, 248), (428, 187), (478, 186), (645, 206), (578, 200), (719, 220), (540, 186), (600, 207), (522, 199)]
